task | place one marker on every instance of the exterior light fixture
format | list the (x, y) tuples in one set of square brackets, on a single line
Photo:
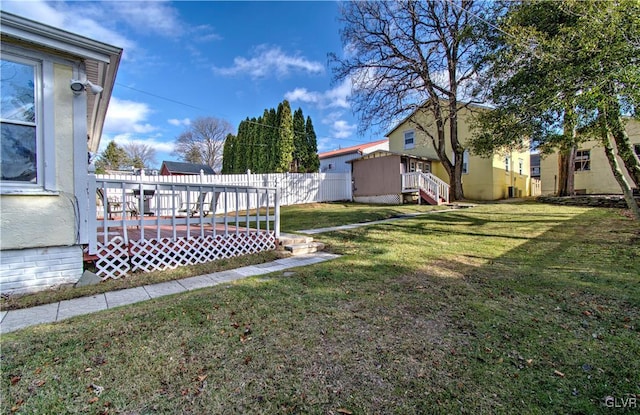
[(78, 86)]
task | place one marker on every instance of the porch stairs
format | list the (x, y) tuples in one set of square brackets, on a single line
[(298, 244), (429, 188)]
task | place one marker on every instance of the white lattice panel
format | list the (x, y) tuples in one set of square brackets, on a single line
[(113, 259), (392, 199), (166, 253)]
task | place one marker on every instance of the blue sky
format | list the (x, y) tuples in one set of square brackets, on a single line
[(228, 60)]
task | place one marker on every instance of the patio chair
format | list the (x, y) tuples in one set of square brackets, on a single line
[(115, 205), (192, 209)]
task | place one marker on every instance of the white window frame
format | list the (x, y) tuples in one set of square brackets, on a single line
[(44, 121), (465, 162), (582, 160), (520, 166), (411, 142)]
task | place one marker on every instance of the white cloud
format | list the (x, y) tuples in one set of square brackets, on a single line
[(270, 60), (184, 122), (333, 98), (155, 17), (338, 127), (127, 117), (154, 142), (75, 17), (342, 129)]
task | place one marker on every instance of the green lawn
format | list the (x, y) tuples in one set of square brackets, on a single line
[(501, 308)]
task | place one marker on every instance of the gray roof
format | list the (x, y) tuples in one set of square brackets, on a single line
[(187, 168)]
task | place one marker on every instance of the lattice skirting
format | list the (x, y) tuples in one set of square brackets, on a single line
[(117, 259), (392, 199)]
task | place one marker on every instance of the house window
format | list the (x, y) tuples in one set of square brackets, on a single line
[(583, 160), (465, 162), (412, 166), (409, 139), (520, 166), (19, 117), (507, 164), (330, 166)]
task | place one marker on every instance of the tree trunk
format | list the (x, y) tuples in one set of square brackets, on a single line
[(625, 150), (622, 181), (566, 162)]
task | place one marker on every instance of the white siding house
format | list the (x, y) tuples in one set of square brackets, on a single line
[(53, 110), (337, 161)]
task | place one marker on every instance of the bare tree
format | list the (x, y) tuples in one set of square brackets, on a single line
[(203, 141), (142, 155), (408, 57)]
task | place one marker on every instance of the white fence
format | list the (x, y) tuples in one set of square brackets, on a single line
[(295, 188)]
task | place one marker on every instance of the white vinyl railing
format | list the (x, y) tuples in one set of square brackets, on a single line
[(433, 185), (202, 201), (136, 203)]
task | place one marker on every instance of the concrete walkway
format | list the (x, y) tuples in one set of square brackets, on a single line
[(376, 222), (49, 313)]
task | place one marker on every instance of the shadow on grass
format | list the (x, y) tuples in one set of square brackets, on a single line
[(531, 319)]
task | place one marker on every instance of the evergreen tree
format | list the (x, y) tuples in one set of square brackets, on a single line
[(299, 142), (284, 145), (312, 162), (271, 129), (113, 157), (228, 154)]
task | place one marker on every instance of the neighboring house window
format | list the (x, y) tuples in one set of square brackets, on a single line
[(409, 139), (520, 166), (583, 160), (330, 166), (507, 164), (19, 117), (465, 162)]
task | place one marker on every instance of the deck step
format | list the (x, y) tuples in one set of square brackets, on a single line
[(291, 239), (304, 248)]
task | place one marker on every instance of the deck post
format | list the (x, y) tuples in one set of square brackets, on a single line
[(276, 207), (93, 220)]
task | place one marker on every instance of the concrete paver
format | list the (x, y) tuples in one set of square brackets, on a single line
[(194, 283), (126, 296), (164, 288), (17, 319), (79, 306), (225, 276)]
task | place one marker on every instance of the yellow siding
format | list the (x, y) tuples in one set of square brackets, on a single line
[(51, 219), (599, 179), (487, 178)]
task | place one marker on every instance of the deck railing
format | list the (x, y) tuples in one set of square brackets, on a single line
[(433, 185), (144, 204)]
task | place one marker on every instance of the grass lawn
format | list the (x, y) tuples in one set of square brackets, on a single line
[(502, 308)]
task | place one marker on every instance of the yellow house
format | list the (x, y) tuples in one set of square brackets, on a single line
[(501, 176), (592, 171), (55, 91)]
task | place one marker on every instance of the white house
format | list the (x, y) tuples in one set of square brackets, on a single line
[(337, 161), (55, 91)]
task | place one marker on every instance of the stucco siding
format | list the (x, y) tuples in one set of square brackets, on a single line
[(43, 220)]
